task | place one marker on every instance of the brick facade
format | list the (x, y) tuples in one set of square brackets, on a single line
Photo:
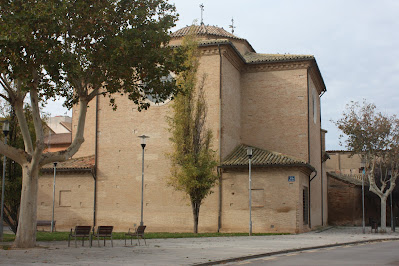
[(268, 105)]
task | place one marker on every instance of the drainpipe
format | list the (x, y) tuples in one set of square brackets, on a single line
[(220, 139), (321, 167), (308, 112), (310, 216), (94, 172)]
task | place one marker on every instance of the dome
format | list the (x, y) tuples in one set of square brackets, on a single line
[(204, 30)]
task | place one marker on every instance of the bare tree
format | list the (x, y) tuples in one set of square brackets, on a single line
[(375, 136)]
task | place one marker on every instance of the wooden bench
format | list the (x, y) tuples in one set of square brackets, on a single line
[(103, 231), (137, 233), (80, 231), (42, 223)]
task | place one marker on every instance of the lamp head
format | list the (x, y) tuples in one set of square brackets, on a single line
[(143, 137), (6, 127), (249, 152), (363, 163)]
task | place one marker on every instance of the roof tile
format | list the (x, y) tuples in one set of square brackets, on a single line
[(353, 179), (74, 164), (255, 58), (260, 157), (203, 30)]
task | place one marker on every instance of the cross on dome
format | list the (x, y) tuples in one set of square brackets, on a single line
[(202, 13)]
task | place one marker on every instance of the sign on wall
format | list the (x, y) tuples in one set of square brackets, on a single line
[(291, 178)]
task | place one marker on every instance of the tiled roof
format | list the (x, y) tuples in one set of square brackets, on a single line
[(342, 151), (62, 138), (204, 30), (73, 165), (258, 58), (353, 179), (260, 157)]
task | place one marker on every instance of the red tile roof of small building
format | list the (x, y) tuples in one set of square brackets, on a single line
[(260, 157), (355, 179), (73, 165)]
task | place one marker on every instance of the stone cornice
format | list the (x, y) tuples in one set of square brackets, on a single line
[(209, 50), (276, 66), (233, 57), (227, 51)]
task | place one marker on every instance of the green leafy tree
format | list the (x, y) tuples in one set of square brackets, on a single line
[(375, 136), (78, 50), (193, 160)]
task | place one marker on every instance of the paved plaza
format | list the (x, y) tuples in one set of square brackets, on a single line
[(183, 251)]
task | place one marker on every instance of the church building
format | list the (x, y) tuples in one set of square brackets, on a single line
[(270, 102)]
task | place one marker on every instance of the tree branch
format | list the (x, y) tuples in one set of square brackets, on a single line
[(93, 94), (4, 97), (37, 122), (61, 156), (14, 154), (23, 124), (6, 85), (373, 186)]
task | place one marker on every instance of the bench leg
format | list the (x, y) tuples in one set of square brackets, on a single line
[(75, 242), (112, 242), (91, 240), (104, 241)]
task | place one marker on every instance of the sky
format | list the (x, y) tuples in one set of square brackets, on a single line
[(356, 45)]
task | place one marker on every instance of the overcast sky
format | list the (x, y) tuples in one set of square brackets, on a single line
[(356, 44)]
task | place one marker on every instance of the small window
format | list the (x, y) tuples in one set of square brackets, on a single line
[(258, 198), (65, 198), (314, 96), (305, 199)]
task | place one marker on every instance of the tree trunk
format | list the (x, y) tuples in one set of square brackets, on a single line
[(196, 208), (383, 214), (26, 233)]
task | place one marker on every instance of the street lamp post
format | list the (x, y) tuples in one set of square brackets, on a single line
[(363, 166), (249, 154), (392, 216), (6, 130), (52, 218), (143, 137)]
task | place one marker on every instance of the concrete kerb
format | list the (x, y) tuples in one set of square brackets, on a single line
[(268, 254)]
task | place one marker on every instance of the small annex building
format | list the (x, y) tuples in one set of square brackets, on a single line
[(267, 101), (345, 178)]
